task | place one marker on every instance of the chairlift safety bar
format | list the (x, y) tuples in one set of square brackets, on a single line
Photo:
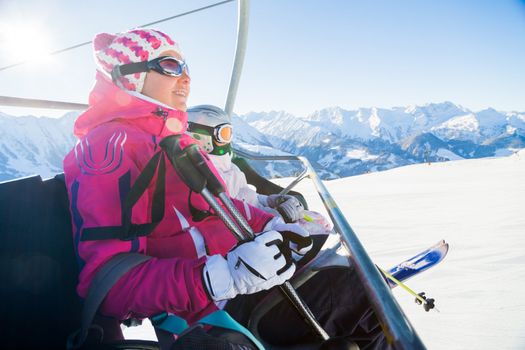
[(398, 330), (35, 103)]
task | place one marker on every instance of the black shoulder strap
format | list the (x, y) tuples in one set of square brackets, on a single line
[(128, 231), (196, 214), (105, 278)]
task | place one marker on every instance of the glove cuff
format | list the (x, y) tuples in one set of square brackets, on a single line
[(273, 200), (217, 278), (292, 210), (263, 200)]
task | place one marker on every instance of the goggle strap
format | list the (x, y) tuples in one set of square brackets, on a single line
[(213, 131), (194, 126), (132, 68)]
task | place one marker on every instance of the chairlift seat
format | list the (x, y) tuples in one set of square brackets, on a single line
[(38, 268)]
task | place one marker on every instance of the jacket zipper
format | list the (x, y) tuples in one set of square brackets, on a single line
[(162, 113)]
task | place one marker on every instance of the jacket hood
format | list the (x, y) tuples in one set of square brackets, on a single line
[(107, 102)]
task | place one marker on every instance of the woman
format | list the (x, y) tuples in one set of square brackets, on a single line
[(140, 95), (124, 198)]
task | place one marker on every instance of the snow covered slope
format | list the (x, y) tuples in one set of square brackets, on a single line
[(477, 207)]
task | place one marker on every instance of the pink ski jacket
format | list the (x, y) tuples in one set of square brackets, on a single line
[(118, 135)]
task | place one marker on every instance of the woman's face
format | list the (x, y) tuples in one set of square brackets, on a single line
[(172, 91)]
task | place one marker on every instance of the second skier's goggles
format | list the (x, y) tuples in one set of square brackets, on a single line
[(167, 65), (222, 133)]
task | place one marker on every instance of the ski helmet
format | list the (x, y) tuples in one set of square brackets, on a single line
[(212, 127)]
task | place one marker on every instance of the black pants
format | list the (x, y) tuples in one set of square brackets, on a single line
[(337, 299)]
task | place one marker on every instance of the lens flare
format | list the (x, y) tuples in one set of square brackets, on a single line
[(24, 41)]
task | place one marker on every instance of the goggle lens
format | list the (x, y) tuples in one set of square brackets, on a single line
[(172, 66), (224, 133)]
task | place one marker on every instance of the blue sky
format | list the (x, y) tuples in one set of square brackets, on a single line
[(302, 55)]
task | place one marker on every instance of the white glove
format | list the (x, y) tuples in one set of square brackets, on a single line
[(289, 207), (249, 267), (298, 238)]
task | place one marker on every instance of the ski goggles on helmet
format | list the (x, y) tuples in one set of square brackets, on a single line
[(222, 133), (167, 65)]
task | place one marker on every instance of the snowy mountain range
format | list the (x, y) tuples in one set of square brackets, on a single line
[(350, 142), (338, 142), (31, 145)]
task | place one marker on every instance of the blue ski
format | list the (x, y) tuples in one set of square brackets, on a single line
[(419, 263)]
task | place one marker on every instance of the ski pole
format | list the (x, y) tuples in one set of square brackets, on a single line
[(218, 190), (191, 167), (427, 303), (302, 175), (196, 181)]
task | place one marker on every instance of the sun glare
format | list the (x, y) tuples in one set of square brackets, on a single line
[(24, 41)]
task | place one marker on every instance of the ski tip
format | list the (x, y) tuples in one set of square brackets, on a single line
[(443, 249), (444, 244)]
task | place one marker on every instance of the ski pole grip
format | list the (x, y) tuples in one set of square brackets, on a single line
[(182, 163), (214, 185)]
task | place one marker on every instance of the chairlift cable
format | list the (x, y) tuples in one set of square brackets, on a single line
[(141, 26), (186, 13)]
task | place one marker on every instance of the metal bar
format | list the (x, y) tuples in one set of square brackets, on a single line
[(396, 326), (240, 52), (299, 178), (248, 155), (33, 103)]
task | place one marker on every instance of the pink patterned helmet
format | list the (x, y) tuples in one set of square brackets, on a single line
[(136, 45)]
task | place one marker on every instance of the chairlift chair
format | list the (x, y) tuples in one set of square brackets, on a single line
[(38, 268)]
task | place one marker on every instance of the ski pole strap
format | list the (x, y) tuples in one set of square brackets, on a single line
[(176, 325)]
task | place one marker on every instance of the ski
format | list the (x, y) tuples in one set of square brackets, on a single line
[(418, 263)]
